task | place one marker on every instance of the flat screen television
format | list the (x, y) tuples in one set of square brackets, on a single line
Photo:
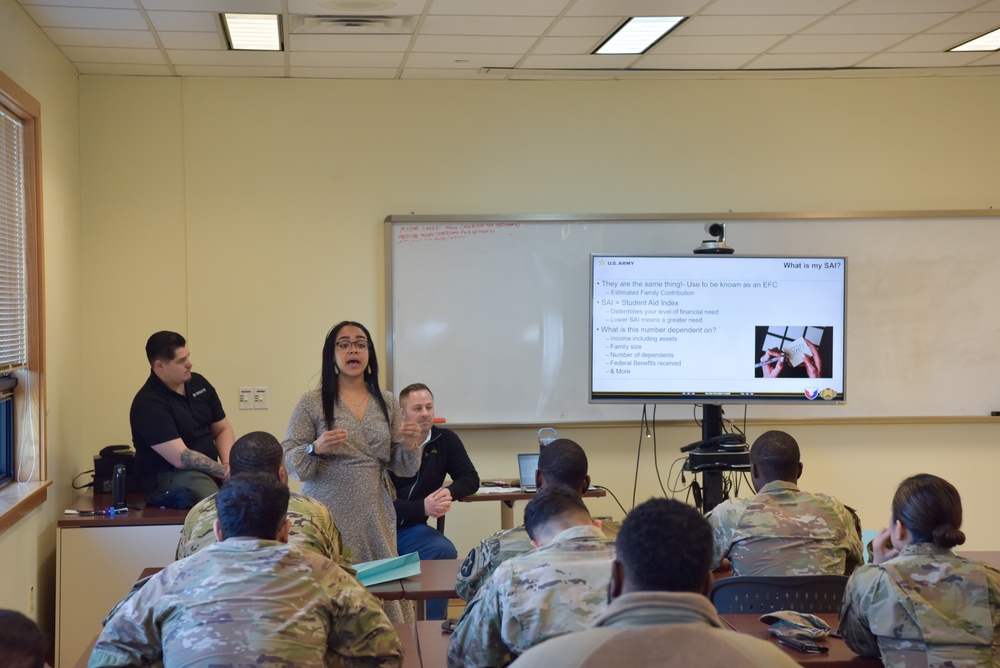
[(717, 329)]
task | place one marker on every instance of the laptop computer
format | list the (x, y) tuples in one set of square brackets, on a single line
[(526, 467)]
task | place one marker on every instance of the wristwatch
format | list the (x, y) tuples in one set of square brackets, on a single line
[(310, 450)]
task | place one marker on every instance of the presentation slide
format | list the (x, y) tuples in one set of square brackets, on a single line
[(725, 329)]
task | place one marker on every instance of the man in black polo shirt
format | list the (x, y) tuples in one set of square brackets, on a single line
[(179, 429)]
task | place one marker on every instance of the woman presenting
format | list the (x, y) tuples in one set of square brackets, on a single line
[(343, 440), (918, 603)]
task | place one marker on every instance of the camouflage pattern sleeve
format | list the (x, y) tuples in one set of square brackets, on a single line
[(131, 636), (478, 639), (724, 519), (484, 559), (855, 548), (361, 635), (853, 611), (198, 530)]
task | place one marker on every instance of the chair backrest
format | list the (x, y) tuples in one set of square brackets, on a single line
[(762, 594)]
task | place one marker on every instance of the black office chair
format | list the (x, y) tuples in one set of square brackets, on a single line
[(762, 594)]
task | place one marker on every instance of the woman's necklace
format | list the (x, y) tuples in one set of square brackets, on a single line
[(356, 404)]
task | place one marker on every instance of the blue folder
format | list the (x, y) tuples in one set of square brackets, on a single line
[(384, 570)]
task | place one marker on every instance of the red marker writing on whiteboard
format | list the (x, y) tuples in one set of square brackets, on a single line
[(438, 420)]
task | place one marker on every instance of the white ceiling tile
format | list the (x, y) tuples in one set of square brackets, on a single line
[(991, 6), (743, 25), (125, 69), (216, 6), (566, 45), (358, 7), (956, 59), (345, 59), (471, 60), (875, 23), (217, 71), (104, 4), (784, 61), (420, 73), (90, 54), (343, 73), (742, 7), (836, 43), (907, 6), (227, 58), (377, 43), (458, 44), (977, 23), (206, 41), (499, 7), (577, 62), (989, 59), (582, 26), (485, 25), (71, 17), (623, 8), (139, 39), (929, 42), (684, 61), (186, 21), (715, 44)]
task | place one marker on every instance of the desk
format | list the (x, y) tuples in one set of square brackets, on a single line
[(97, 558), (507, 500), (433, 644), (411, 651), (988, 557), (435, 580), (839, 656)]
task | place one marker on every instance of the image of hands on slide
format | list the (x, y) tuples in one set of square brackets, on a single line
[(793, 352)]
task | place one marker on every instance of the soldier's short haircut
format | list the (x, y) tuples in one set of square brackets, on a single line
[(563, 461), (252, 505), (665, 545), (776, 455), (257, 451), (21, 641), (930, 509), (550, 503)]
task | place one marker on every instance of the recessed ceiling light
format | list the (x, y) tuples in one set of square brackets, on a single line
[(988, 42), (638, 34), (253, 32)]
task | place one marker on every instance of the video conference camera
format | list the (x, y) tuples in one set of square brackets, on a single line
[(716, 246)]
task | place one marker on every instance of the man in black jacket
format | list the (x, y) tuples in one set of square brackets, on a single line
[(423, 495)]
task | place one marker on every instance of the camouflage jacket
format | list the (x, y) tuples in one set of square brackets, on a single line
[(784, 531), (312, 528), (249, 602), (556, 589), (483, 559), (927, 607)]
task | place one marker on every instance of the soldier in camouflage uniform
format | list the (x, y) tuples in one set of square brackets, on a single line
[(563, 462), (558, 588), (783, 530), (250, 599), (312, 526), (919, 604)]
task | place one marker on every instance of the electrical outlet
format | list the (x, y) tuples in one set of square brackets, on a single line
[(246, 398), (260, 398)]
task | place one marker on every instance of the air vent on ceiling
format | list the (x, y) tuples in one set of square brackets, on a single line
[(349, 25)]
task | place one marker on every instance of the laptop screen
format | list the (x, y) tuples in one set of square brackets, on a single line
[(526, 466)]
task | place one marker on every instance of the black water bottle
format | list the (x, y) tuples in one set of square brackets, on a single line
[(118, 488)]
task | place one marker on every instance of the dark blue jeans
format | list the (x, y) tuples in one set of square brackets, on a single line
[(429, 543)]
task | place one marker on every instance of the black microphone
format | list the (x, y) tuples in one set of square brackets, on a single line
[(691, 446)]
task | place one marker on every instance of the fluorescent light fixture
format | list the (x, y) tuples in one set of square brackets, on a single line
[(988, 42), (638, 34), (253, 32)]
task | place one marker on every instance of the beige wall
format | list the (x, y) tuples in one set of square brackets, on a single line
[(247, 214), (27, 551)]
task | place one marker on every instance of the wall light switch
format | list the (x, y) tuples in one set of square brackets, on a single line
[(260, 398), (246, 398)]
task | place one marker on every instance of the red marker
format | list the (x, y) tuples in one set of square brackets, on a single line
[(438, 420)]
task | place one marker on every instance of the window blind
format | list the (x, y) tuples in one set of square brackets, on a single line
[(13, 280)]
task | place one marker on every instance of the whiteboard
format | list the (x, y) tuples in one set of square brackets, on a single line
[(492, 313)]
